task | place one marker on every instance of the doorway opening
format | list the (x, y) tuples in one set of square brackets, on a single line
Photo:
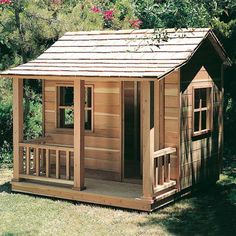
[(132, 157)]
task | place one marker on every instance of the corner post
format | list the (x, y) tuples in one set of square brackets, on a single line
[(147, 141), (79, 102), (156, 115), (17, 126)]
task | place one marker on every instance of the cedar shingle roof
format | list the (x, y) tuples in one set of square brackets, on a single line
[(124, 53)]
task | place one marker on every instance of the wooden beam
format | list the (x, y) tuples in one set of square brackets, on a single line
[(67, 165), (164, 151), (121, 115), (37, 162), (28, 160), (79, 134), (57, 164), (159, 121), (85, 78), (17, 126), (162, 113), (47, 163), (156, 115), (147, 143)]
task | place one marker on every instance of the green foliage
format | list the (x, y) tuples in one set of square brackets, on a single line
[(32, 114), (173, 14), (6, 122)]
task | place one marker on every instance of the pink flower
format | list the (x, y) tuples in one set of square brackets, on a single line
[(95, 9), (5, 2), (135, 23), (56, 2), (108, 15)]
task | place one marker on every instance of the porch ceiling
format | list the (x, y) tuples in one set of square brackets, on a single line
[(124, 53)]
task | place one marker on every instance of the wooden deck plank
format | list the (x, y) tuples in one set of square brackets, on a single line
[(110, 193), (82, 196)]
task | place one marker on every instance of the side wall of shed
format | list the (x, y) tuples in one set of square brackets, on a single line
[(201, 155), (103, 146)]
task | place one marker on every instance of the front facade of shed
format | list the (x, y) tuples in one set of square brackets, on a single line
[(101, 173), (134, 143)]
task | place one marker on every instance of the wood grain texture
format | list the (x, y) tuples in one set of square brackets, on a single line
[(200, 155), (106, 54), (147, 141), (103, 145), (79, 168)]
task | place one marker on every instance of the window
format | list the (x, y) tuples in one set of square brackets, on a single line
[(66, 107), (88, 108), (202, 112)]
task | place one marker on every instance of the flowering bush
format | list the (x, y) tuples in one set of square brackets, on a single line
[(5, 2), (95, 9), (108, 15), (135, 23)]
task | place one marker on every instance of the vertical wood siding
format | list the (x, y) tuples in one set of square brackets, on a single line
[(200, 155)]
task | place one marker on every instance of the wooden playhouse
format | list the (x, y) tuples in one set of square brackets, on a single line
[(131, 118)]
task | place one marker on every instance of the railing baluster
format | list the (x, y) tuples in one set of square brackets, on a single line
[(27, 160), (67, 165), (57, 164), (162, 165), (163, 169), (160, 172), (42, 161), (34, 160), (37, 162), (47, 163), (167, 168), (156, 171)]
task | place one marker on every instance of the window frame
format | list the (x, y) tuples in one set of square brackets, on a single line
[(58, 107), (90, 108), (208, 109)]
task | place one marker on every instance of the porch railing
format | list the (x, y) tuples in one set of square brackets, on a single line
[(47, 162), (161, 165)]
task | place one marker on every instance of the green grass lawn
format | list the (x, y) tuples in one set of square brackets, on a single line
[(211, 212)]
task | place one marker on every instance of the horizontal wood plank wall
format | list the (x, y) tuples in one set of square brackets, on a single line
[(200, 155), (172, 119), (103, 145)]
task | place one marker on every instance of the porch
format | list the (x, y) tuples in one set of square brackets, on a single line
[(48, 169), (44, 167)]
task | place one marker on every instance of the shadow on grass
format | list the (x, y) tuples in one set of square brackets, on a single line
[(6, 187), (210, 212)]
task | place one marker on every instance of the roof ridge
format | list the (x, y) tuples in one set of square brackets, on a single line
[(137, 31)]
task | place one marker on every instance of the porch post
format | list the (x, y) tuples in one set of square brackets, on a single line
[(17, 126), (159, 114), (79, 134), (147, 141)]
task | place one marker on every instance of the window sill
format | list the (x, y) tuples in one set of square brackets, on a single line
[(201, 134)]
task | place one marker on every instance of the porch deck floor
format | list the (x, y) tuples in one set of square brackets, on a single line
[(111, 193), (113, 188)]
